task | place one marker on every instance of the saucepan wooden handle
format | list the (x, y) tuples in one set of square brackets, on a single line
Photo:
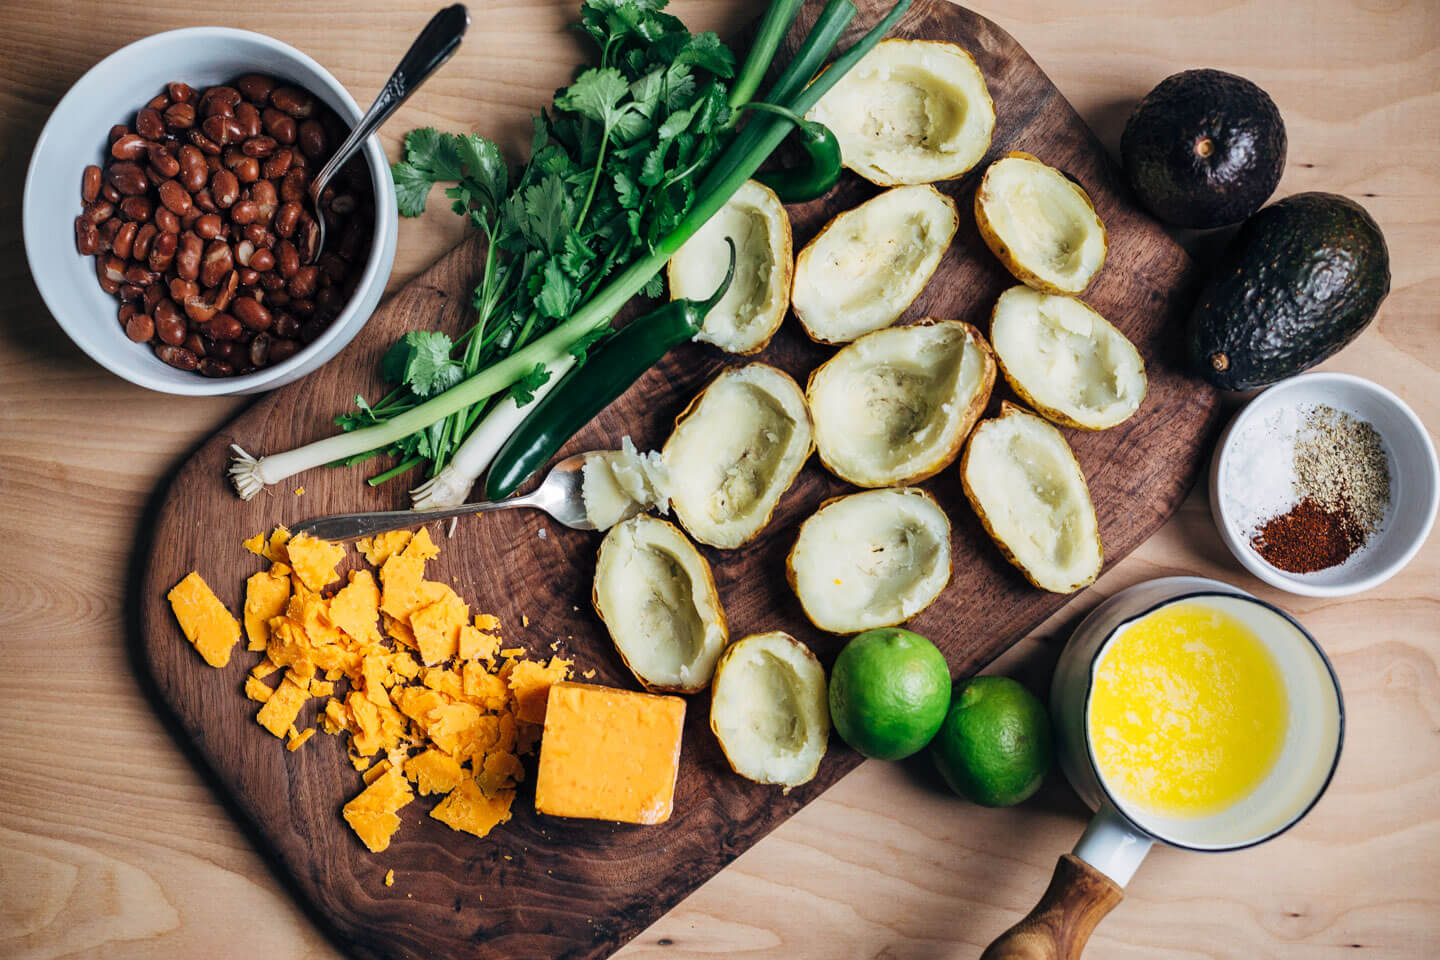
[(1077, 899)]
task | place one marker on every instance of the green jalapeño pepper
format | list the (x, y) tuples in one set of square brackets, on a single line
[(607, 373), (821, 169)]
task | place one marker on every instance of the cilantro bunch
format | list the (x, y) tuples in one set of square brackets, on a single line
[(612, 170)]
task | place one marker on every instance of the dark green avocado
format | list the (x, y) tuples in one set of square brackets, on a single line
[(1300, 280), (1204, 148)]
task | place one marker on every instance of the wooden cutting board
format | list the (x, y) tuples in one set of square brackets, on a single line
[(542, 887)]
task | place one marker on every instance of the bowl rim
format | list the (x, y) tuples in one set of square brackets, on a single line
[(271, 376), (1269, 399)]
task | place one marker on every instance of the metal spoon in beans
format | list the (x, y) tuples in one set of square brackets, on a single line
[(436, 44)]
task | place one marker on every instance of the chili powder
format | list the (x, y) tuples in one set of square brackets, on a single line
[(1309, 537)]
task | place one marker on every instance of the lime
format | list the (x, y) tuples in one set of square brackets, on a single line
[(994, 747), (888, 692)]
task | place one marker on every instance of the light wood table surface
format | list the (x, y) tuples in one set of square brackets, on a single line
[(112, 846)]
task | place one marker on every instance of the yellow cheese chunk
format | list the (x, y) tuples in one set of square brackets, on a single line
[(609, 754), (421, 547), (467, 808), (280, 711), (382, 547), (437, 628), (204, 620), (266, 597), (356, 608), (256, 690), (314, 560), (297, 740), (372, 814), (389, 878), (530, 682), (476, 643), (434, 772)]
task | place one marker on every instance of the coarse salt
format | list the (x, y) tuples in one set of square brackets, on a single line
[(1259, 480)]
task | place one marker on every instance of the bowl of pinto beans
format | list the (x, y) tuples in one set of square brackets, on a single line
[(167, 221)]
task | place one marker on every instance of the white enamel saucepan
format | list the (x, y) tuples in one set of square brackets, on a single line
[(1089, 881)]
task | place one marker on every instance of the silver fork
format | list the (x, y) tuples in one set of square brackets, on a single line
[(560, 495)]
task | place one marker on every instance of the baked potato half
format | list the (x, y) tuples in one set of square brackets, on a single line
[(734, 452), (657, 598), (912, 111), (769, 709), (750, 312), (895, 406), (1065, 360), (868, 264), (1041, 224), (870, 559), (1027, 488)]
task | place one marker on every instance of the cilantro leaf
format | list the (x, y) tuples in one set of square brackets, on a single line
[(558, 293), (421, 360), (596, 95), (412, 186), (522, 391), (627, 190)]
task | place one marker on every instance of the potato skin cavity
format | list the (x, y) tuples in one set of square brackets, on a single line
[(1032, 499), (867, 265), (912, 111), (1040, 224), (894, 407), (1066, 360), (657, 597), (750, 312), (734, 452), (870, 559), (769, 709)]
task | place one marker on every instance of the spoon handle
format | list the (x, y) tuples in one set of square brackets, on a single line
[(435, 44), (348, 526)]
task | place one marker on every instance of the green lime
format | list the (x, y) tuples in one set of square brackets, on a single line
[(994, 747), (888, 692)]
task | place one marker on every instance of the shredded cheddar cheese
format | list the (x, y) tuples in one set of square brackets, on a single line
[(430, 703)]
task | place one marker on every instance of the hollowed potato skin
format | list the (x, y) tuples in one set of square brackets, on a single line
[(969, 418), (1008, 257), (711, 592), (1009, 409)]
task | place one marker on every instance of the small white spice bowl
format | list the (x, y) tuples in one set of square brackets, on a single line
[(1414, 483)]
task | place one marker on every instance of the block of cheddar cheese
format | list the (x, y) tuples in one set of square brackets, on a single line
[(609, 754)]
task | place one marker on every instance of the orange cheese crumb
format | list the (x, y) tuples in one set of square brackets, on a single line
[(297, 740), (256, 690), (389, 878), (266, 597), (467, 808), (204, 620), (609, 754), (421, 547), (379, 548), (372, 814), (530, 683), (434, 772), (282, 707), (314, 560)]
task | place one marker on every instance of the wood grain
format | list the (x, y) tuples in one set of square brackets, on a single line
[(546, 887), (113, 846), (1078, 898)]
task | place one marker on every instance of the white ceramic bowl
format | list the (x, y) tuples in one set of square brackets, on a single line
[(75, 136), (1414, 483)]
